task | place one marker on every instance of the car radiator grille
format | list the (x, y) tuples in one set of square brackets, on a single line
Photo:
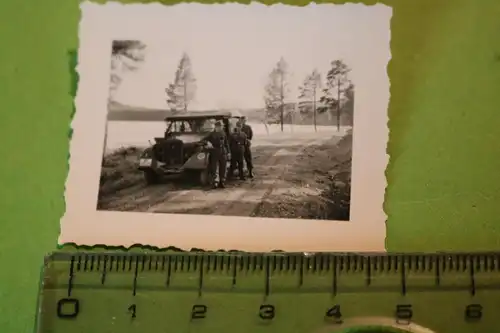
[(171, 153)]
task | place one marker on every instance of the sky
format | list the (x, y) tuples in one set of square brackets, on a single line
[(233, 48)]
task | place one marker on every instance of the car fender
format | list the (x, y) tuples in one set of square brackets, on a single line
[(198, 161)]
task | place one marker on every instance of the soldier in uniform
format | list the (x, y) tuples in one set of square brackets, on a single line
[(238, 144), (218, 158), (245, 128)]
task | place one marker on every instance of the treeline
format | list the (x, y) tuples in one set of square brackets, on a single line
[(319, 97), (324, 98)]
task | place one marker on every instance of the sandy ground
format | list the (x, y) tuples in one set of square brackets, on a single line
[(315, 186), (288, 169)]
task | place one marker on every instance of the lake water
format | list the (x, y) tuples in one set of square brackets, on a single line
[(130, 133)]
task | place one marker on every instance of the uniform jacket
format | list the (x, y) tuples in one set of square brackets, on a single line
[(239, 141), (219, 141), (248, 131)]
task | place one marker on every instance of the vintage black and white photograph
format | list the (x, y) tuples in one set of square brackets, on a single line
[(231, 118)]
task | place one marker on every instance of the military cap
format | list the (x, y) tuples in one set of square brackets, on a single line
[(218, 123)]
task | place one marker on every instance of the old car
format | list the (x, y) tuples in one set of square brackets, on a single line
[(183, 149)]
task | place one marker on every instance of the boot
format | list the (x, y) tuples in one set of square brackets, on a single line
[(250, 173), (221, 185)]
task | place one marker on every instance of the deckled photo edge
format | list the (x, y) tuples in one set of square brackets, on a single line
[(73, 229)]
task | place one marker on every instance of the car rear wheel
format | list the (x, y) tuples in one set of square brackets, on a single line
[(151, 177), (204, 177)]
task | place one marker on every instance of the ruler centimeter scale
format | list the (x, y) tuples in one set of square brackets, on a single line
[(84, 292)]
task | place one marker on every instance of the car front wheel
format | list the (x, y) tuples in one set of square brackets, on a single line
[(151, 177)]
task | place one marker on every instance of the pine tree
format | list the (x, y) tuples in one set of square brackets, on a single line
[(183, 90), (337, 83), (276, 91), (308, 92)]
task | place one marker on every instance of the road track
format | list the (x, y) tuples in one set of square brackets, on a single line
[(272, 156)]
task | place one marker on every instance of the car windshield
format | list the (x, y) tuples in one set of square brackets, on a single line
[(190, 126)]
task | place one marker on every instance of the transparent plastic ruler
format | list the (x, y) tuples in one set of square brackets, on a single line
[(269, 293)]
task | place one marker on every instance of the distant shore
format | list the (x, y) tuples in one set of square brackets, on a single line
[(122, 134)]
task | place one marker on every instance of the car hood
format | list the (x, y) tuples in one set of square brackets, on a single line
[(190, 137)]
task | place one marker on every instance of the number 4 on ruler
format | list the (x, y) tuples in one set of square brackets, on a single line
[(334, 314), (132, 310)]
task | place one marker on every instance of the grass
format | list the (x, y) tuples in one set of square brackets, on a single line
[(119, 170), (334, 201)]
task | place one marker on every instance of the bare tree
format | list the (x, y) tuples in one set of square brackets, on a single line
[(276, 91), (126, 55), (337, 84), (309, 89), (183, 90)]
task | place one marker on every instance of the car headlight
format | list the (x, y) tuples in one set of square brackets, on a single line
[(201, 156)]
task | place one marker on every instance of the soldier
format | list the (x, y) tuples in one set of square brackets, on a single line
[(238, 144), (218, 159), (248, 151)]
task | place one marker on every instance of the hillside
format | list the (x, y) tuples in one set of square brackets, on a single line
[(120, 112)]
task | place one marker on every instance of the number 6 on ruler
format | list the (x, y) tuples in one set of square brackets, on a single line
[(267, 312)]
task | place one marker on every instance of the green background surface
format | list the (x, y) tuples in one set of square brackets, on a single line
[(444, 192)]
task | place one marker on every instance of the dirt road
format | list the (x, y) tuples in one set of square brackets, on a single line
[(273, 156)]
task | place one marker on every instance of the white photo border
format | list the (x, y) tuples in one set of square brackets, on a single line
[(83, 224)]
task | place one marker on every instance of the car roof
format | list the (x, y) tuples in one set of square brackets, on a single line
[(201, 114)]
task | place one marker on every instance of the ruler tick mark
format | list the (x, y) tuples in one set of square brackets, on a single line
[(267, 276), (71, 269), (301, 271), (368, 271), (403, 276), (85, 262), (216, 261), (111, 259), (235, 260), (103, 275), (169, 270), (136, 272), (79, 264), (472, 278), (200, 279), (438, 272), (334, 278)]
